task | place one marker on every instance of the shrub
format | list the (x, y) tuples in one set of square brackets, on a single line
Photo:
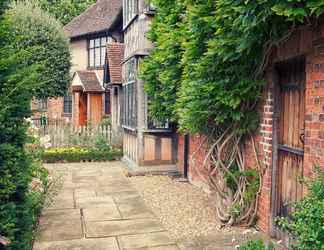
[(306, 224), (34, 61), (255, 245), (78, 154), (36, 30)]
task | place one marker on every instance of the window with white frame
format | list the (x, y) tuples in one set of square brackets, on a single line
[(130, 9), (97, 51), (129, 90)]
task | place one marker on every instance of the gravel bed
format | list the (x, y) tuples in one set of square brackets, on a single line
[(182, 208)]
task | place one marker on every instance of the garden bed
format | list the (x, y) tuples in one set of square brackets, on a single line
[(79, 154)]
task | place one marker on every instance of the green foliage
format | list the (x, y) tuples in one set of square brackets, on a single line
[(206, 69), (78, 154), (306, 224), (65, 10), (255, 245), (26, 39), (34, 30)]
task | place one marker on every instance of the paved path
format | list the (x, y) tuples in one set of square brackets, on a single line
[(97, 208)]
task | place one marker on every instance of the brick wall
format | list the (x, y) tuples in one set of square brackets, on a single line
[(307, 42), (53, 111)]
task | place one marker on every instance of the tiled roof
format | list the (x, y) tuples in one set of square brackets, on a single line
[(98, 17), (115, 55), (90, 81)]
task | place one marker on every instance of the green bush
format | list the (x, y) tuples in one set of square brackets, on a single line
[(34, 61), (41, 33), (306, 224), (255, 245), (78, 154)]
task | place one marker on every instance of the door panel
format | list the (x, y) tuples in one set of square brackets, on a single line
[(292, 78)]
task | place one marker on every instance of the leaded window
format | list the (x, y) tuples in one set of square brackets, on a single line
[(129, 90), (97, 51), (42, 104), (107, 103), (130, 9), (67, 104)]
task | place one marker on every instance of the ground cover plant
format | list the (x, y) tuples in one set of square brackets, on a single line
[(34, 61), (306, 223), (206, 74), (81, 154), (255, 245)]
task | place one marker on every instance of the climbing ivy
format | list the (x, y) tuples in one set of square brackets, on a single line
[(206, 73), (207, 64)]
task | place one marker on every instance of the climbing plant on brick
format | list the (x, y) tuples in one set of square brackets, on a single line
[(206, 73)]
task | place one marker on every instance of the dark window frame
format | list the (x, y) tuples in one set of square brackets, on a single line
[(67, 104), (107, 103), (102, 46), (129, 92)]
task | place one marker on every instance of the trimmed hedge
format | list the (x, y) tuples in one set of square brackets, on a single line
[(78, 154)]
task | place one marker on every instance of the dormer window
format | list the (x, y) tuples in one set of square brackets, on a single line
[(97, 51)]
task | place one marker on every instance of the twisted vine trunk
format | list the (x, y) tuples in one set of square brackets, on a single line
[(236, 189)]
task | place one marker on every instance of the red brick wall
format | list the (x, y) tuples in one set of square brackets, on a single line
[(54, 109), (310, 44)]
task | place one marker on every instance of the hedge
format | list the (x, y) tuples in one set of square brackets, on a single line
[(78, 154)]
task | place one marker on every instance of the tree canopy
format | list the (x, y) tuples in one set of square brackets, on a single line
[(42, 35), (65, 10)]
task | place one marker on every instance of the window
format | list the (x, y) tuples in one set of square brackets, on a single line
[(129, 90), (42, 104), (107, 103), (97, 51), (67, 104), (130, 8)]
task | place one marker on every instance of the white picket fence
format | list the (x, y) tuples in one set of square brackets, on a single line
[(63, 134)]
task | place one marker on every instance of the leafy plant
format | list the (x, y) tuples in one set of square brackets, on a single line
[(29, 41), (78, 154), (40, 33), (255, 245), (65, 10), (306, 223)]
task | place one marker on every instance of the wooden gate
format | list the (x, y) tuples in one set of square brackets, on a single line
[(291, 124)]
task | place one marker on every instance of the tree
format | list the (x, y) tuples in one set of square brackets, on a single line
[(36, 30), (65, 10), (34, 61)]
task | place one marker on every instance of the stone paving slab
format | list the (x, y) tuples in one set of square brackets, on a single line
[(85, 202), (83, 244), (59, 230), (84, 192), (144, 240), (127, 197), (101, 213), (99, 229), (169, 247), (109, 189), (60, 215), (135, 210), (61, 204)]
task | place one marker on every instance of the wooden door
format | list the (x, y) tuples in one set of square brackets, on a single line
[(83, 109), (96, 108), (292, 78)]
